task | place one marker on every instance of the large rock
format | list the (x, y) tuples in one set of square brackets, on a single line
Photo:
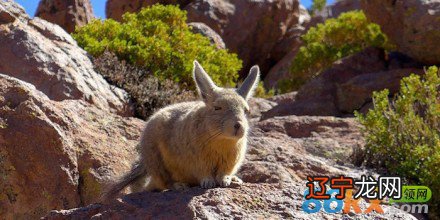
[(255, 30), (56, 154), (333, 11), (413, 25), (67, 14), (282, 153), (281, 70), (44, 55), (116, 8), (356, 92), (337, 8), (354, 77), (205, 30)]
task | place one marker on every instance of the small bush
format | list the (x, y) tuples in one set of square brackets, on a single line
[(403, 136), (158, 39), (262, 92), (147, 92), (331, 41), (318, 5)]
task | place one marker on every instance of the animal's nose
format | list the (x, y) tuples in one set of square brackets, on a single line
[(237, 126)]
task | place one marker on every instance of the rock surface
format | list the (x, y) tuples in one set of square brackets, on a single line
[(44, 55), (255, 30), (282, 152), (56, 154), (205, 30), (67, 14), (413, 25), (337, 8), (116, 8), (333, 91)]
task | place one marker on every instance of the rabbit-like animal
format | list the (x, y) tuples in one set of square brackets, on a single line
[(194, 143)]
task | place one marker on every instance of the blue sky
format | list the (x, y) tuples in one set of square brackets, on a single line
[(99, 6)]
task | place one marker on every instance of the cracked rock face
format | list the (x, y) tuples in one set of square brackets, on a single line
[(55, 154), (66, 13), (43, 54)]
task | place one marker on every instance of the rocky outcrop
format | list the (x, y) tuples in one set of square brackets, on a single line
[(281, 70), (206, 31), (356, 92), (282, 152), (348, 84), (412, 25), (46, 56), (304, 16), (56, 154), (255, 30), (337, 8), (116, 8), (67, 14)]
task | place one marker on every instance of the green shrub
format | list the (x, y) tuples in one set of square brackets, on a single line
[(318, 5), (331, 41), (159, 40), (403, 136), (262, 92), (148, 94)]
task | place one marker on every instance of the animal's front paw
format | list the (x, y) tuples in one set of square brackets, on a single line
[(225, 181), (236, 180), (208, 183), (180, 186)]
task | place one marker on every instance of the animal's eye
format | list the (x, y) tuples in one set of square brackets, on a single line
[(217, 108), (247, 112)]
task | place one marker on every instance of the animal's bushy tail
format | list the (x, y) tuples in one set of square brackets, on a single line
[(112, 190)]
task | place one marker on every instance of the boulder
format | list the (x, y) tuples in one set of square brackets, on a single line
[(304, 16), (255, 30), (116, 8), (10, 11), (44, 55), (67, 14), (57, 154), (337, 8), (333, 11), (259, 105), (206, 31), (412, 25), (356, 92), (282, 153), (281, 70), (348, 84)]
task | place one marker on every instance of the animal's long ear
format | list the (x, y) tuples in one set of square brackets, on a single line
[(250, 83), (204, 83)]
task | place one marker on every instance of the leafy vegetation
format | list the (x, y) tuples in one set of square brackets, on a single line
[(318, 5), (262, 92), (158, 39), (148, 94), (403, 136), (331, 41)]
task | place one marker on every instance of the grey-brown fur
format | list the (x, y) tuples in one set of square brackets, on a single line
[(194, 143)]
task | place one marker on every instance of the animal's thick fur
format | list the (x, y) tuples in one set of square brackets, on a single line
[(194, 143)]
